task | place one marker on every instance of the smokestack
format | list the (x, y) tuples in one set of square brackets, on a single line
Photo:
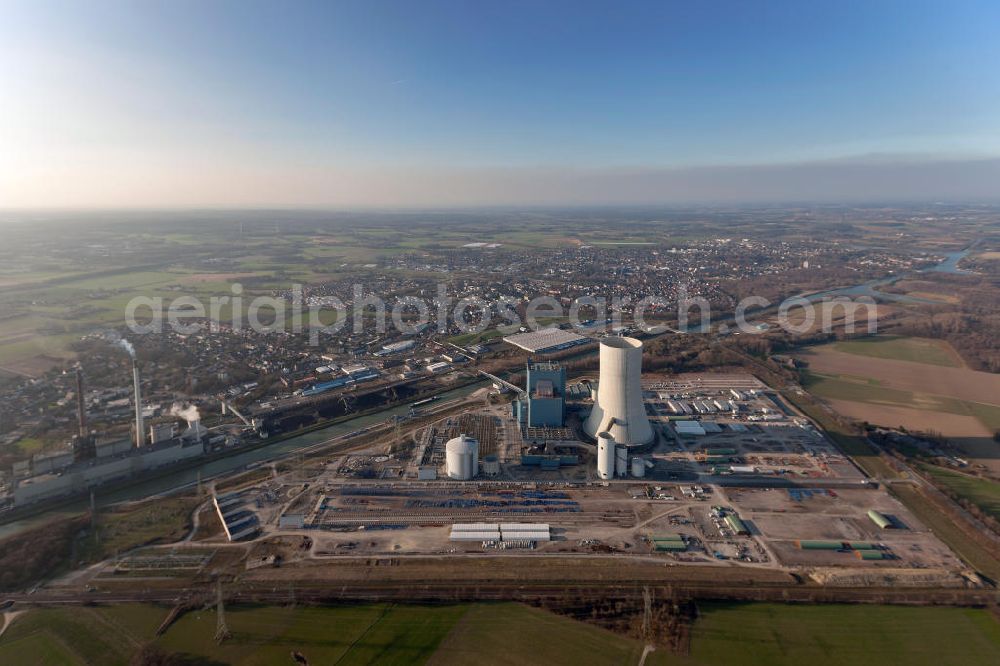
[(81, 410), (140, 430)]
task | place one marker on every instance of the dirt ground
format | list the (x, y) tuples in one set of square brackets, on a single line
[(960, 383), (33, 367), (952, 425), (839, 515)]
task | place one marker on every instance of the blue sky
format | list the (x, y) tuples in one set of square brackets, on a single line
[(247, 103)]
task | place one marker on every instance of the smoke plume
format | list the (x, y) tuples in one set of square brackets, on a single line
[(189, 413), (127, 346)]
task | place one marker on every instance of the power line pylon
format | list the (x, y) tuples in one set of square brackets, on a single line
[(221, 628), (647, 611)]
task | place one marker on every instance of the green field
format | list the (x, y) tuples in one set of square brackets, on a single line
[(363, 634), (848, 387), (981, 492), (504, 634), (768, 634), (515, 635), (898, 348)]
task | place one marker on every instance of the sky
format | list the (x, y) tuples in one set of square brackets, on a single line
[(202, 103)]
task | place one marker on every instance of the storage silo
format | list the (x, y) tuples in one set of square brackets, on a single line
[(638, 467), (621, 461), (605, 455), (618, 408), (462, 457)]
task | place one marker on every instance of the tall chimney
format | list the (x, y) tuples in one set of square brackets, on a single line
[(140, 430), (81, 409)]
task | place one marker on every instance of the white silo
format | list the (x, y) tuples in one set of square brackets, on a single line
[(621, 461), (605, 455), (462, 457), (638, 467), (618, 408)]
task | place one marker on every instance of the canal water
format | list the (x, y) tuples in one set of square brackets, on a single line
[(870, 288)]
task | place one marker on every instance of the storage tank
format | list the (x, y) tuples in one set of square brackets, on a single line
[(621, 461), (618, 408), (605, 455), (462, 457), (638, 467)]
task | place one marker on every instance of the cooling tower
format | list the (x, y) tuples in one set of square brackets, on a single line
[(618, 408), (605, 455)]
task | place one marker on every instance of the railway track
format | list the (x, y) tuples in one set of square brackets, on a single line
[(524, 591)]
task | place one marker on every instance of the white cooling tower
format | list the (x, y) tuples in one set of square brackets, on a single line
[(618, 408), (462, 457), (605, 455)]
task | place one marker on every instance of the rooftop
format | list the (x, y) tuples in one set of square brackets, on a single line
[(545, 339)]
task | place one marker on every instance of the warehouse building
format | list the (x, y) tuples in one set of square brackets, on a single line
[(546, 340), (737, 525), (879, 519)]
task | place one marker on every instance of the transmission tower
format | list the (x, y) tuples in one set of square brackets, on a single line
[(647, 611), (221, 628)]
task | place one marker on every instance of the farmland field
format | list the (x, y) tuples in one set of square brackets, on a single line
[(871, 380), (952, 382), (982, 492), (363, 634), (513, 634), (859, 635), (505, 633), (917, 350)]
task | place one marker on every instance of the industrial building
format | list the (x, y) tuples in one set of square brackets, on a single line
[(737, 525), (79, 476), (396, 347), (879, 519), (546, 340), (670, 543), (238, 521), (91, 463), (619, 408), (544, 404), (509, 532)]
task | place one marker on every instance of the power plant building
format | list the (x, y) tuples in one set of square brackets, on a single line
[(619, 408), (546, 395)]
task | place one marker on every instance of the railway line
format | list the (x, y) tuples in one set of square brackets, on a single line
[(482, 589)]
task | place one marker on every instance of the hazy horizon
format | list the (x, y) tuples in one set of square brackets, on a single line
[(447, 104)]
